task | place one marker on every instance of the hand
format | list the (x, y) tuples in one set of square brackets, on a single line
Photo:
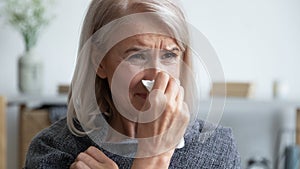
[(164, 133), (93, 158)]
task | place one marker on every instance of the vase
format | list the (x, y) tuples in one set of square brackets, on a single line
[(30, 73)]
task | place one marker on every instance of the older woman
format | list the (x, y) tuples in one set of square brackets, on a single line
[(131, 104)]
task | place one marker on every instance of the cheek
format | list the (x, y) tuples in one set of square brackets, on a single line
[(117, 71), (135, 81), (173, 70), (125, 76)]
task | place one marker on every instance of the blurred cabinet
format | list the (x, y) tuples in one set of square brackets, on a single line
[(31, 122), (33, 117), (3, 135)]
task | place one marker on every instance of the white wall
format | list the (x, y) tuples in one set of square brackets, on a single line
[(257, 41)]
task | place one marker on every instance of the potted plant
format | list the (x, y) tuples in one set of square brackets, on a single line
[(28, 17)]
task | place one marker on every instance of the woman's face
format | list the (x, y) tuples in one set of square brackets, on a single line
[(139, 58)]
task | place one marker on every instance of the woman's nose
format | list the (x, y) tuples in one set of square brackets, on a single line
[(150, 74)]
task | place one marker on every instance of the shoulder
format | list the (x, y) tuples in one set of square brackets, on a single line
[(209, 146), (55, 146)]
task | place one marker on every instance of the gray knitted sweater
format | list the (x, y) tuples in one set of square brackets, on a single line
[(56, 148)]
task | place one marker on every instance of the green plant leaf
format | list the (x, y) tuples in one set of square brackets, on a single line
[(28, 17)]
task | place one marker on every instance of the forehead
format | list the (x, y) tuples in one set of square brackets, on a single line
[(149, 41)]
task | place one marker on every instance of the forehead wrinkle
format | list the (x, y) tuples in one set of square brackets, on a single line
[(155, 42)]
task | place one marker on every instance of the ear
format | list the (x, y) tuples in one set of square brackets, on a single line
[(101, 71)]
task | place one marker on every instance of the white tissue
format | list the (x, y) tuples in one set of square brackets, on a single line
[(148, 84), (181, 143)]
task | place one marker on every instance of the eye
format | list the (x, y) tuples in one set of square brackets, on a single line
[(137, 59), (169, 57)]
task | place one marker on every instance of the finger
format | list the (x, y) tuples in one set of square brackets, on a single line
[(185, 114), (161, 81), (180, 94), (179, 100), (185, 108), (87, 160), (97, 154), (79, 165), (172, 89)]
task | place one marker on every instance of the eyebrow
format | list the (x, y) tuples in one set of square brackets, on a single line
[(174, 49), (136, 48)]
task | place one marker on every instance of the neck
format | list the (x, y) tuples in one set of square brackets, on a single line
[(123, 125)]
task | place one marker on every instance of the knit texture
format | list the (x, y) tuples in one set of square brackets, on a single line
[(56, 148)]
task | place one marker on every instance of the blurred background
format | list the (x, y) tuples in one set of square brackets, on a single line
[(258, 44)]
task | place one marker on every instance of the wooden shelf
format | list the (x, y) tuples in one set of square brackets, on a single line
[(32, 100)]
